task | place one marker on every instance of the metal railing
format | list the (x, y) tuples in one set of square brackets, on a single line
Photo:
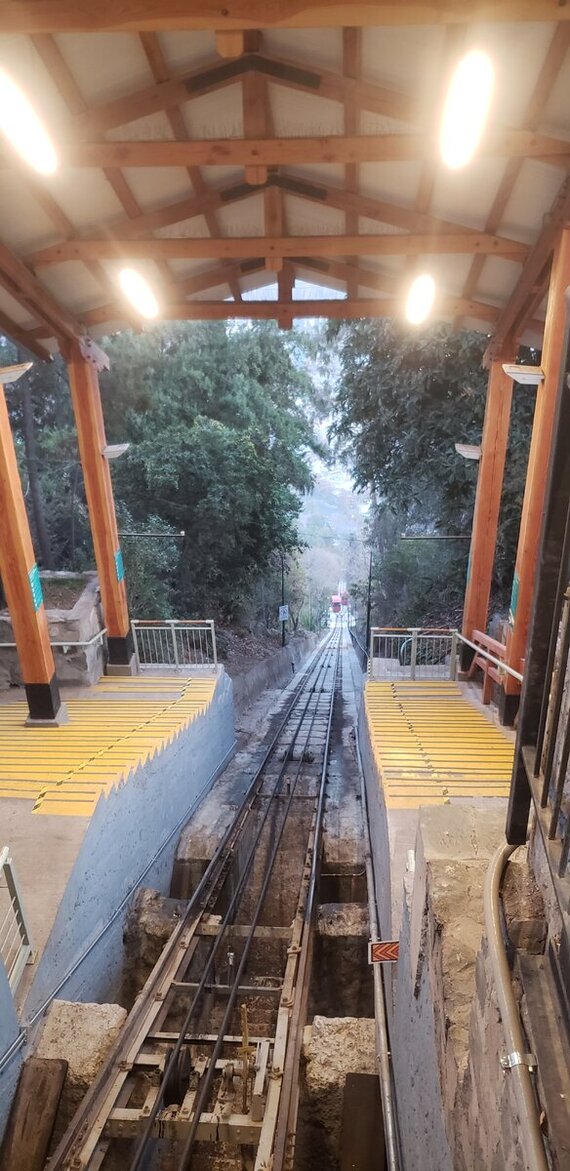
[(360, 649), (552, 753), (15, 939), (174, 645), (412, 653)]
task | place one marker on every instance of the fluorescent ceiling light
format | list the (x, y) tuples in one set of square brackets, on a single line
[(10, 374), (23, 129), (468, 450), (138, 292), (420, 299), (114, 450), (466, 108), (525, 375)]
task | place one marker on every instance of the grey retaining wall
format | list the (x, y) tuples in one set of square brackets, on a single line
[(275, 671)]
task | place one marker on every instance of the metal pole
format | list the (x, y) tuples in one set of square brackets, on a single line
[(282, 598), (368, 604)]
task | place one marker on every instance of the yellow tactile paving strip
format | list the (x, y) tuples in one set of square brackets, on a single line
[(117, 726), (431, 744)]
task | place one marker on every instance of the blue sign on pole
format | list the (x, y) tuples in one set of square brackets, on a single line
[(36, 587), (119, 566)]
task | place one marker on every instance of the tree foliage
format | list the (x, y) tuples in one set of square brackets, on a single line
[(403, 400), (219, 419)]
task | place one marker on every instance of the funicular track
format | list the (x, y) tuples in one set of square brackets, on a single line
[(204, 1073)]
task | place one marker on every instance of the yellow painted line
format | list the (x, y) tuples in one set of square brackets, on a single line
[(430, 744), (112, 731)]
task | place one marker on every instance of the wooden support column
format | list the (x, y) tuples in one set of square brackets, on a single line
[(487, 504), (21, 581), (553, 356), (83, 366)]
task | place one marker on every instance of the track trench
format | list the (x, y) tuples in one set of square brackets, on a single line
[(205, 1072)]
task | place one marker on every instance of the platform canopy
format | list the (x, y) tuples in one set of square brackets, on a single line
[(265, 146)]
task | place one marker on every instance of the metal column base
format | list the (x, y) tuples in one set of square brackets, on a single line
[(44, 705)]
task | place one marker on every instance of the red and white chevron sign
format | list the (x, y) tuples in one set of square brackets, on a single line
[(384, 952)]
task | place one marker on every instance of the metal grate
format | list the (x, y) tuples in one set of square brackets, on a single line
[(412, 653), (15, 940), (174, 645)]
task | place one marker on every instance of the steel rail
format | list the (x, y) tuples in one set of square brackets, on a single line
[(141, 1017), (203, 1093), (136, 1161), (289, 1098)]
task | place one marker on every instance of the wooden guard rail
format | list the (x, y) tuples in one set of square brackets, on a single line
[(491, 673)]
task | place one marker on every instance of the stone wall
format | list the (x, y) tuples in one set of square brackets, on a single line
[(130, 841), (74, 665), (457, 1109)]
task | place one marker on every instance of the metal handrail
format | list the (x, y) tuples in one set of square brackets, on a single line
[(498, 663), (418, 637), (168, 646), (16, 949), (67, 642)]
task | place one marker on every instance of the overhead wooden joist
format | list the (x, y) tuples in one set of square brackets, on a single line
[(21, 284), (275, 152), (522, 301), (231, 247), (30, 16)]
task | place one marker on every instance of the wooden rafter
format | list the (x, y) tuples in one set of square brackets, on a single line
[(390, 286), (276, 152), (351, 60), (382, 210), (522, 302), (30, 16), (25, 288), (545, 83), (160, 72), (67, 86), (236, 247)]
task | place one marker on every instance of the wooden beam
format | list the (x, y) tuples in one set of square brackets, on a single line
[(276, 152), (546, 80), (516, 312), (25, 288), (212, 199), (169, 93), (351, 63), (494, 445), (25, 1146), (20, 578), (254, 97), (86, 400), (391, 286), (234, 43), (30, 16), (335, 308), (160, 72), (23, 337), (65, 82), (115, 311), (249, 247), (552, 362)]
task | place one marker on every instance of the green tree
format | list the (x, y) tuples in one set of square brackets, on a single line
[(402, 402)]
